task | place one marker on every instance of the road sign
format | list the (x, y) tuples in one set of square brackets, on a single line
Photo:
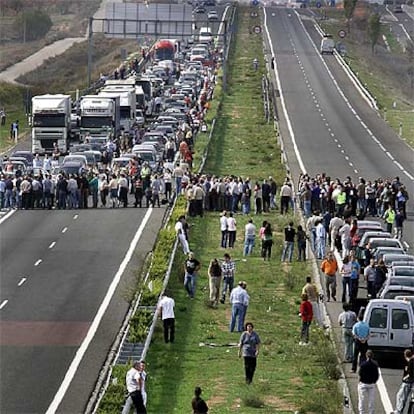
[(342, 34), (318, 4), (257, 29), (255, 2)]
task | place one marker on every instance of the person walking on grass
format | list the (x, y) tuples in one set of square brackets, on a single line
[(166, 310), (306, 314), (290, 234), (249, 238), (214, 275), (191, 267), (249, 346), (134, 382), (239, 300), (228, 269), (267, 242)]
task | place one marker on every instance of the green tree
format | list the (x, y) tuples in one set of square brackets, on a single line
[(349, 8), (374, 29), (33, 24)]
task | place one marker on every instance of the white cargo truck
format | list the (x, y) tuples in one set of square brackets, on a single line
[(51, 123), (127, 102), (99, 116)]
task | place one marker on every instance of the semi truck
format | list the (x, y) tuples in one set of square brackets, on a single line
[(127, 103), (51, 123), (140, 101), (100, 116)]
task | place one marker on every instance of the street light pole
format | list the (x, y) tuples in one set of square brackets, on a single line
[(90, 34)]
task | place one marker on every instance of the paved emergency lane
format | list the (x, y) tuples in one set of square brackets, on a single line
[(331, 129), (57, 267)]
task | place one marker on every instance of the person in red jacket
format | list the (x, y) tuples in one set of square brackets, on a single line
[(306, 313)]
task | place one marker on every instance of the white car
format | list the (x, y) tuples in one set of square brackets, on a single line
[(212, 15)]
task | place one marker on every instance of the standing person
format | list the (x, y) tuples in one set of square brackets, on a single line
[(320, 240), (128, 403), (313, 297), (239, 300), (406, 387), (369, 277), (368, 377), (347, 320), (380, 275), (197, 403), (191, 267), (285, 196), (223, 229), (329, 267), (231, 230), (389, 217), (214, 274), (399, 222), (290, 234), (355, 270), (166, 309), (301, 238), (249, 346), (346, 272), (306, 314), (134, 383), (334, 225), (249, 238), (267, 242), (228, 269), (360, 332), (180, 231)]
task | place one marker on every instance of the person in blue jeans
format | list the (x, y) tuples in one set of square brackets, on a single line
[(191, 267), (249, 238), (239, 300), (290, 234), (228, 268)]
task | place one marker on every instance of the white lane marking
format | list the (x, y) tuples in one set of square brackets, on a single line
[(4, 303), (38, 262), (356, 171), (282, 101), (382, 390), (407, 246), (64, 230), (338, 88), (52, 245), (6, 216), (389, 155), (70, 373), (75, 216), (22, 280)]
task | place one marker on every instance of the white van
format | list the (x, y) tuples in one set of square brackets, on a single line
[(391, 325)]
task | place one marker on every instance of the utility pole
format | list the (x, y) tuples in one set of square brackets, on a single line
[(90, 34)]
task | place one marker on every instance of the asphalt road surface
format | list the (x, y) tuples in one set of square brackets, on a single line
[(328, 127), (57, 268)]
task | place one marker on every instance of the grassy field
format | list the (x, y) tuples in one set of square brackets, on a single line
[(289, 377), (379, 75)]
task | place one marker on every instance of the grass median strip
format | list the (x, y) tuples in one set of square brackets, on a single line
[(289, 377)]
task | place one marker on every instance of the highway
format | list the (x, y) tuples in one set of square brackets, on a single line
[(57, 269), (328, 127)]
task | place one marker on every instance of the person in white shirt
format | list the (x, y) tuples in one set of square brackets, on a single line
[(166, 309), (134, 382), (249, 237), (345, 233), (223, 229), (231, 230), (239, 300), (179, 229), (320, 240)]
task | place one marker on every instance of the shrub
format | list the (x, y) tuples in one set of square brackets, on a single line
[(33, 24)]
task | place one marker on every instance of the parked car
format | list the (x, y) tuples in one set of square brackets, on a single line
[(392, 258), (379, 252)]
